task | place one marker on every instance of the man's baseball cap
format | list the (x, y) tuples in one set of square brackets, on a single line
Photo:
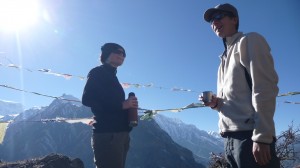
[(220, 8)]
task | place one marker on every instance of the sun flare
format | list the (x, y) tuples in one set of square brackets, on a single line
[(17, 14)]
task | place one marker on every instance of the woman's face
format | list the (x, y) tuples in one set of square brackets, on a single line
[(116, 58)]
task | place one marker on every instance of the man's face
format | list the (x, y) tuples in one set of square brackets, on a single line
[(223, 25)]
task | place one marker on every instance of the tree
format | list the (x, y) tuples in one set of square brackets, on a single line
[(217, 161), (285, 149), (285, 146)]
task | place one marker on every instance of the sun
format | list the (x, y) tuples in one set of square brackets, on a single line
[(17, 14)]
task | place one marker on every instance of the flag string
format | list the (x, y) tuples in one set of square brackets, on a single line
[(147, 113), (69, 76)]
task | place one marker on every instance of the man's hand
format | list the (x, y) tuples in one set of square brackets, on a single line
[(261, 153), (213, 103)]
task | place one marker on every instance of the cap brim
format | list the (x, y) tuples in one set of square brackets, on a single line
[(209, 13)]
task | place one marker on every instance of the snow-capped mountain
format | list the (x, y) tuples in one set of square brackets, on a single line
[(200, 142), (8, 108), (67, 99), (214, 134), (30, 136)]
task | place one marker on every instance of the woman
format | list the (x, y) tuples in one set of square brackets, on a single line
[(106, 97)]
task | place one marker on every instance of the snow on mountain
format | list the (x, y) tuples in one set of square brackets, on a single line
[(8, 117), (151, 146), (30, 113), (65, 105), (215, 134), (67, 99), (9, 107), (9, 110), (200, 142)]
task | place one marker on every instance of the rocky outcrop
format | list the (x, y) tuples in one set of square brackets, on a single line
[(50, 161)]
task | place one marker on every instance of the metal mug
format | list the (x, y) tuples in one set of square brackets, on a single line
[(207, 96)]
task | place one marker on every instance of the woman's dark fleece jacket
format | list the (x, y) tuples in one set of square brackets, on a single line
[(105, 95)]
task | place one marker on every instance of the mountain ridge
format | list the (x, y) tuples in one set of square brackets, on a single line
[(200, 142), (29, 136)]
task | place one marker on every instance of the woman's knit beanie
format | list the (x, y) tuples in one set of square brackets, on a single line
[(108, 48)]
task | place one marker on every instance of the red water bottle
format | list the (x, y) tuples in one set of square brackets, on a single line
[(132, 114)]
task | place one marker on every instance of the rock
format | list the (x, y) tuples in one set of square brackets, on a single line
[(49, 161)]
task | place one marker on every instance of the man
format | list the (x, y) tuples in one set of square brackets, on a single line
[(247, 90), (106, 97)]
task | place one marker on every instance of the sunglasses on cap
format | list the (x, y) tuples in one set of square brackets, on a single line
[(219, 17), (119, 52)]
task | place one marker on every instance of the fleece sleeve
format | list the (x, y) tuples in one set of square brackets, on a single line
[(256, 51)]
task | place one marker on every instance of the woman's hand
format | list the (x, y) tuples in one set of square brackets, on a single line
[(131, 102)]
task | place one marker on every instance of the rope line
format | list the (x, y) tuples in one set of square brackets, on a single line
[(192, 105), (148, 114), (69, 76)]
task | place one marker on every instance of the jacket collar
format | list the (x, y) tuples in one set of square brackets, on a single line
[(231, 40), (110, 68), (228, 41)]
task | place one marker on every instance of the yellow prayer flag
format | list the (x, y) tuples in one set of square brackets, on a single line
[(3, 127)]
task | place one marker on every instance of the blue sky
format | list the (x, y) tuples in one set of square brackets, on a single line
[(167, 43)]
